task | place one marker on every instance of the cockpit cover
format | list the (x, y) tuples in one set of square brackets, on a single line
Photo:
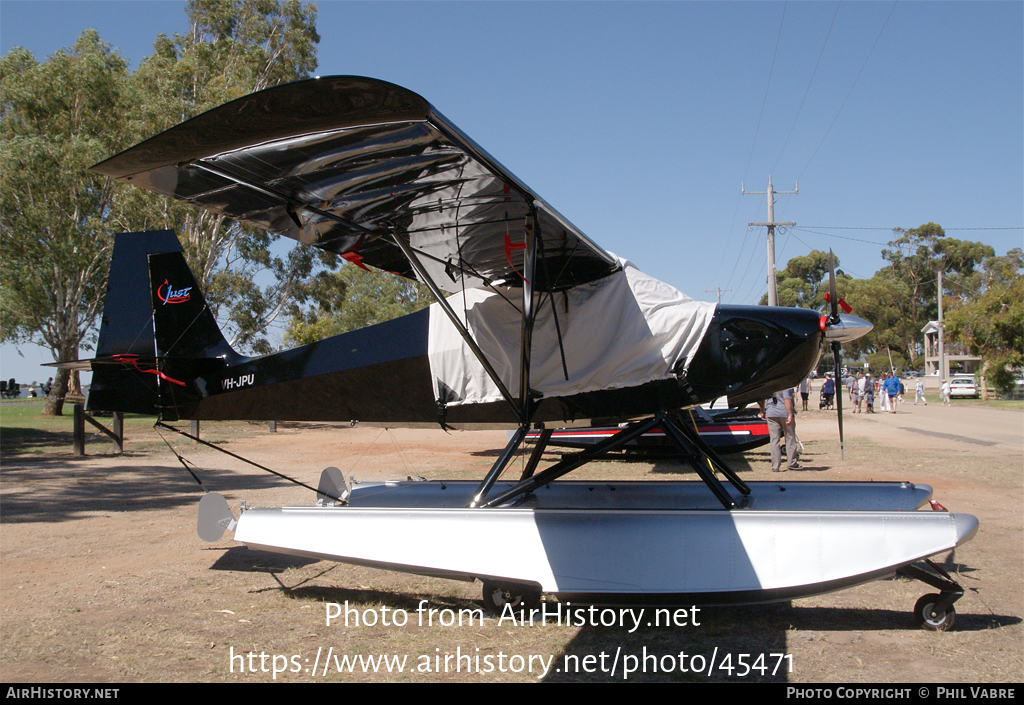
[(620, 331)]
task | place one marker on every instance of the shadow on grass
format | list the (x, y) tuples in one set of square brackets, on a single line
[(753, 630), (28, 440)]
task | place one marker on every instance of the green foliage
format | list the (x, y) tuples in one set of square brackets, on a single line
[(80, 107), (992, 325), (887, 302), (915, 256), (232, 48), (804, 281), (57, 119), (354, 298), (878, 362), (901, 298)]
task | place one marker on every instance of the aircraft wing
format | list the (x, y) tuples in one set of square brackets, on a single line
[(349, 164)]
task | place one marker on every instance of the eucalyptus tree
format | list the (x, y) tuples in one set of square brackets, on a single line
[(232, 48), (991, 324), (353, 298), (80, 106), (804, 281), (56, 119)]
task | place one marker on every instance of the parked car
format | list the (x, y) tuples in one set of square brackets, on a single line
[(963, 387)]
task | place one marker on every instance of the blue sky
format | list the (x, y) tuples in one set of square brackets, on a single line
[(639, 121)]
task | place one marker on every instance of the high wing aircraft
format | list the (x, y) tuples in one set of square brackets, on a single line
[(542, 328)]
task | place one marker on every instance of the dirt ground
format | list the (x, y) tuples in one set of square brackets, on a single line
[(102, 576)]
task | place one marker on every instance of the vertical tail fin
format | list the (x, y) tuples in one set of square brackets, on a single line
[(183, 324), (127, 323), (157, 335), (126, 327)]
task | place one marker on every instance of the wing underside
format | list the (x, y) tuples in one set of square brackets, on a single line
[(349, 164)]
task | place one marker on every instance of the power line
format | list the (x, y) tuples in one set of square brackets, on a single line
[(841, 237), (743, 279), (739, 256), (849, 93), (764, 101), (809, 83), (728, 239), (842, 227)]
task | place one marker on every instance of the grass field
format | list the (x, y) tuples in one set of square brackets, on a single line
[(23, 429)]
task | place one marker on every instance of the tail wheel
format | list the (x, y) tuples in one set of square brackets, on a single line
[(929, 618), (498, 595)]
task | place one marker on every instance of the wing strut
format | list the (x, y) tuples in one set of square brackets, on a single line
[(568, 464), (499, 465), (689, 430), (703, 459), (529, 314), (679, 439)]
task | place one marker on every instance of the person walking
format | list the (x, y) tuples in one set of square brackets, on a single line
[(919, 393), (778, 411), (892, 390), (860, 390), (828, 389)]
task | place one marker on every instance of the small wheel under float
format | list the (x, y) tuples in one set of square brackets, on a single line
[(497, 595), (931, 619), (934, 612)]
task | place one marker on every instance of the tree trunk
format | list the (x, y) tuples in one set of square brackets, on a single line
[(981, 378), (75, 384), (54, 404)]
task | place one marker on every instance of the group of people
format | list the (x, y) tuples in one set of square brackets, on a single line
[(779, 411), (11, 389), (888, 388)]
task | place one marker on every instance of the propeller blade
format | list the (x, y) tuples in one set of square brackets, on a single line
[(833, 299), (840, 388)]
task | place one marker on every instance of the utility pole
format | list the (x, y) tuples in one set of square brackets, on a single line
[(942, 335), (719, 290), (773, 293), (936, 249)]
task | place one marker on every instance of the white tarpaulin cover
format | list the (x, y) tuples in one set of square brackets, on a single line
[(621, 331)]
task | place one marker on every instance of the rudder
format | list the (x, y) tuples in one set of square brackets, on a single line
[(126, 327), (157, 335)]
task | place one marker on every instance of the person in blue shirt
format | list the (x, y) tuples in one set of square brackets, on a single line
[(892, 390), (828, 390)]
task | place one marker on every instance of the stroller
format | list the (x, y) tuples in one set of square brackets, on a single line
[(825, 401)]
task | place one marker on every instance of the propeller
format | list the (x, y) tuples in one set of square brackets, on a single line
[(833, 320)]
